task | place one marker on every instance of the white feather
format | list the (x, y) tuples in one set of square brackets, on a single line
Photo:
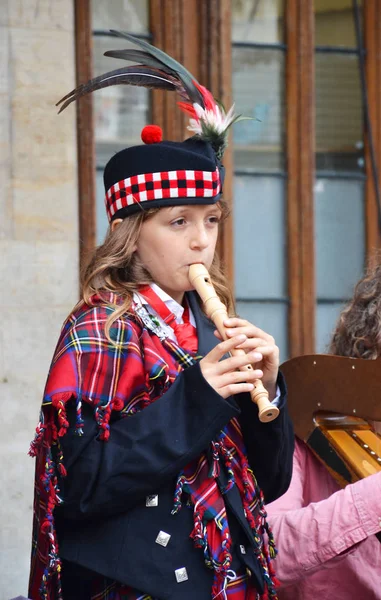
[(215, 119)]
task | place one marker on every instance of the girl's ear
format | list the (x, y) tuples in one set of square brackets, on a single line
[(115, 223)]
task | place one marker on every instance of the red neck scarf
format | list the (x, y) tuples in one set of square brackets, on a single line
[(186, 333)]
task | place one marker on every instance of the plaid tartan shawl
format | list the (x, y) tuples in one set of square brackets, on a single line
[(126, 377)]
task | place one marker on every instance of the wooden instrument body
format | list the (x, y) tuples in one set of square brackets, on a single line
[(216, 311), (332, 399)]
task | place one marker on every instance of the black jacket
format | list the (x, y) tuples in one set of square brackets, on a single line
[(105, 525)]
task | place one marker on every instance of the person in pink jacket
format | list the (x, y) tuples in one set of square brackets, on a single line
[(326, 540)]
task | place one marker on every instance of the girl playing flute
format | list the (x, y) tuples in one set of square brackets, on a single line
[(152, 466)]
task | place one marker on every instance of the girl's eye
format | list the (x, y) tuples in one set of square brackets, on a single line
[(178, 222), (214, 219)]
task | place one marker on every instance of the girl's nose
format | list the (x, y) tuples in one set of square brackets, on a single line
[(200, 238)]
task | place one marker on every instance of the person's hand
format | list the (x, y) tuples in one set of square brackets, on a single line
[(260, 342), (223, 376)]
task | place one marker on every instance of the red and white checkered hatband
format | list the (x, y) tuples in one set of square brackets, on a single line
[(165, 184)]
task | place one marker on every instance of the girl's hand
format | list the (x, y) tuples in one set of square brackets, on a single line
[(223, 376), (260, 342)]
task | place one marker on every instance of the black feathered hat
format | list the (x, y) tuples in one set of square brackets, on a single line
[(163, 173)]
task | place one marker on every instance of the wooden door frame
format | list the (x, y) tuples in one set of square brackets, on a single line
[(372, 41), (85, 132), (300, 134)]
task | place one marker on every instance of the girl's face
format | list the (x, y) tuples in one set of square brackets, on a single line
[(175, 238)]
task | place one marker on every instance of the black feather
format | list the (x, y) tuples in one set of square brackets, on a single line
[(135, 75), (184, 75), (138, 56), (156, 70)]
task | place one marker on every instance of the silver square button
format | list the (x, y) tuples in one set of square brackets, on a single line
[(163, 538), (181, 575), (243, 549), (152, 500)]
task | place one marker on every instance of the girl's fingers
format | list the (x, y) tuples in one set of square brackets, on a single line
[(237, 362), (223, 374), (269, 350), (240, 377), (270, 356), (255, 337), (235, 322), (233, 389), (236, 326), (254, 342), (250, 332), (225, 347), (263, 348)]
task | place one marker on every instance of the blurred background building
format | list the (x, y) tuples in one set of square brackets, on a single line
[(303, 176)]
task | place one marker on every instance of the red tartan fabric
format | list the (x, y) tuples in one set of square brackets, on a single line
[(127, 377)]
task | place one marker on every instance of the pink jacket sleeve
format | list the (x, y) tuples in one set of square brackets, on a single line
[(316, 523)]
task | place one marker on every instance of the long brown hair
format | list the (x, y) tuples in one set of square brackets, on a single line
[(115, 267), (358, 331)]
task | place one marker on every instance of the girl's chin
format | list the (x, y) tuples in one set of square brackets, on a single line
[(178, 289)]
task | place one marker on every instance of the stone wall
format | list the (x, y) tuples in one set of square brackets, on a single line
[(38, 245)]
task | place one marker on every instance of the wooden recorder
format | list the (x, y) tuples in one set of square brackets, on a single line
[(216, 311)]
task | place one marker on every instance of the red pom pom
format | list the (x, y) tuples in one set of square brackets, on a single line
[(117, 404), (151, 134)]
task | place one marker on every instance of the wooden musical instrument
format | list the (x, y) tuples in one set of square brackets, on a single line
[(216, 311), (332, 402)]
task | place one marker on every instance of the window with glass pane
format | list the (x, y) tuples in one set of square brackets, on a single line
[(339, 129), (339, 187), (260, 254), (120, 112), (334, 23), (257, 21), (258, 88), (340, 248), (259, 162)]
